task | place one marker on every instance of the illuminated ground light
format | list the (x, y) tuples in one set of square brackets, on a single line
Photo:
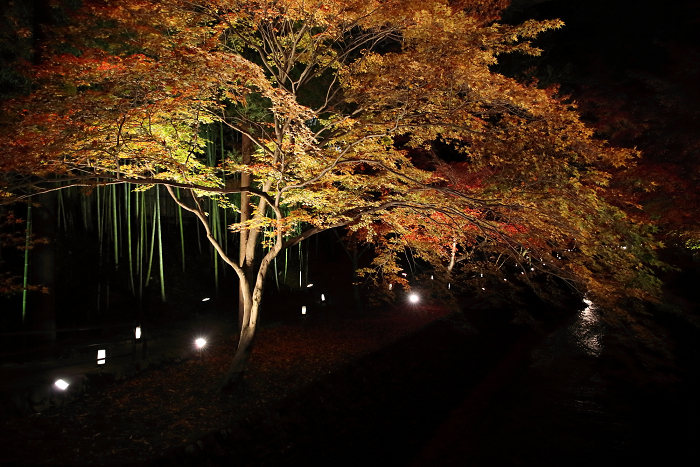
[(62, 385), (413, 298), (200, 343)]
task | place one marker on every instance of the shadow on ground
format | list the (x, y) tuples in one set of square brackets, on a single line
[(379, 410)]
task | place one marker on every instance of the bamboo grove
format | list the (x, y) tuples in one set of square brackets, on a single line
[(382, 116)]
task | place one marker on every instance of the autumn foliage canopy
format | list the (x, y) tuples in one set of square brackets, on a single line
[(380, 115)]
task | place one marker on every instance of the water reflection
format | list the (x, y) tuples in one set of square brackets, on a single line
[(587, 330)]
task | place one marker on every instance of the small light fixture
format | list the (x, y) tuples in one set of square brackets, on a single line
[(101, 357), (137, 333), (449, 285), (205, 299), (200, 343), (431, 277), (310, 285), (390, 286), (404, 274), (62, 385), (413, 298), (303, 310), (323, 298)]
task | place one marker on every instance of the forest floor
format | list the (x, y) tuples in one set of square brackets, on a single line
[(169, 408)]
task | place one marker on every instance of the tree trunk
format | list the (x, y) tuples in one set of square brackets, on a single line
[(243, 260), (250, 321), (43, 267)]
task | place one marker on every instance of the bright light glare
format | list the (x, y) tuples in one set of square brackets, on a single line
[(303, 310), (390, 286), (323, 298), (137, 332), (413, 298), (205, 299), (200, 343), (310, 285), (60, 384), (101, 356)]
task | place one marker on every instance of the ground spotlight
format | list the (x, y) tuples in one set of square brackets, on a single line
[(62, 385)]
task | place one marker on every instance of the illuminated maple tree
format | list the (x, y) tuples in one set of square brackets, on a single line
[(344, 103)]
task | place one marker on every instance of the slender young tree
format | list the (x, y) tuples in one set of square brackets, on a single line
[(356, 98)]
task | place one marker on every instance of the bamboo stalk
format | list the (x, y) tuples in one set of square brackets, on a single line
[(115, 227), (127, 200), (160, 248), (28, 236), (214, 214), (182, 235), (153, 242)]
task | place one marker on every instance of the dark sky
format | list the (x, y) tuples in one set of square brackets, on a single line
[(622, 34)]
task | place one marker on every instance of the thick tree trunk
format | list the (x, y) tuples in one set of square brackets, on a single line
[(239, 363), (247, 335)]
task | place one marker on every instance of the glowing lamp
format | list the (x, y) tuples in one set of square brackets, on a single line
[(303, 310), (62, 385), (413, 298), (200, 343), (390, 286), (431, 277), (310, 285), (137, 333), (206, 299), (101, 357), (323, 298)]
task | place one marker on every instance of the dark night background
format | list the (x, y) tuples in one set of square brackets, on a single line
[(559, 387)]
